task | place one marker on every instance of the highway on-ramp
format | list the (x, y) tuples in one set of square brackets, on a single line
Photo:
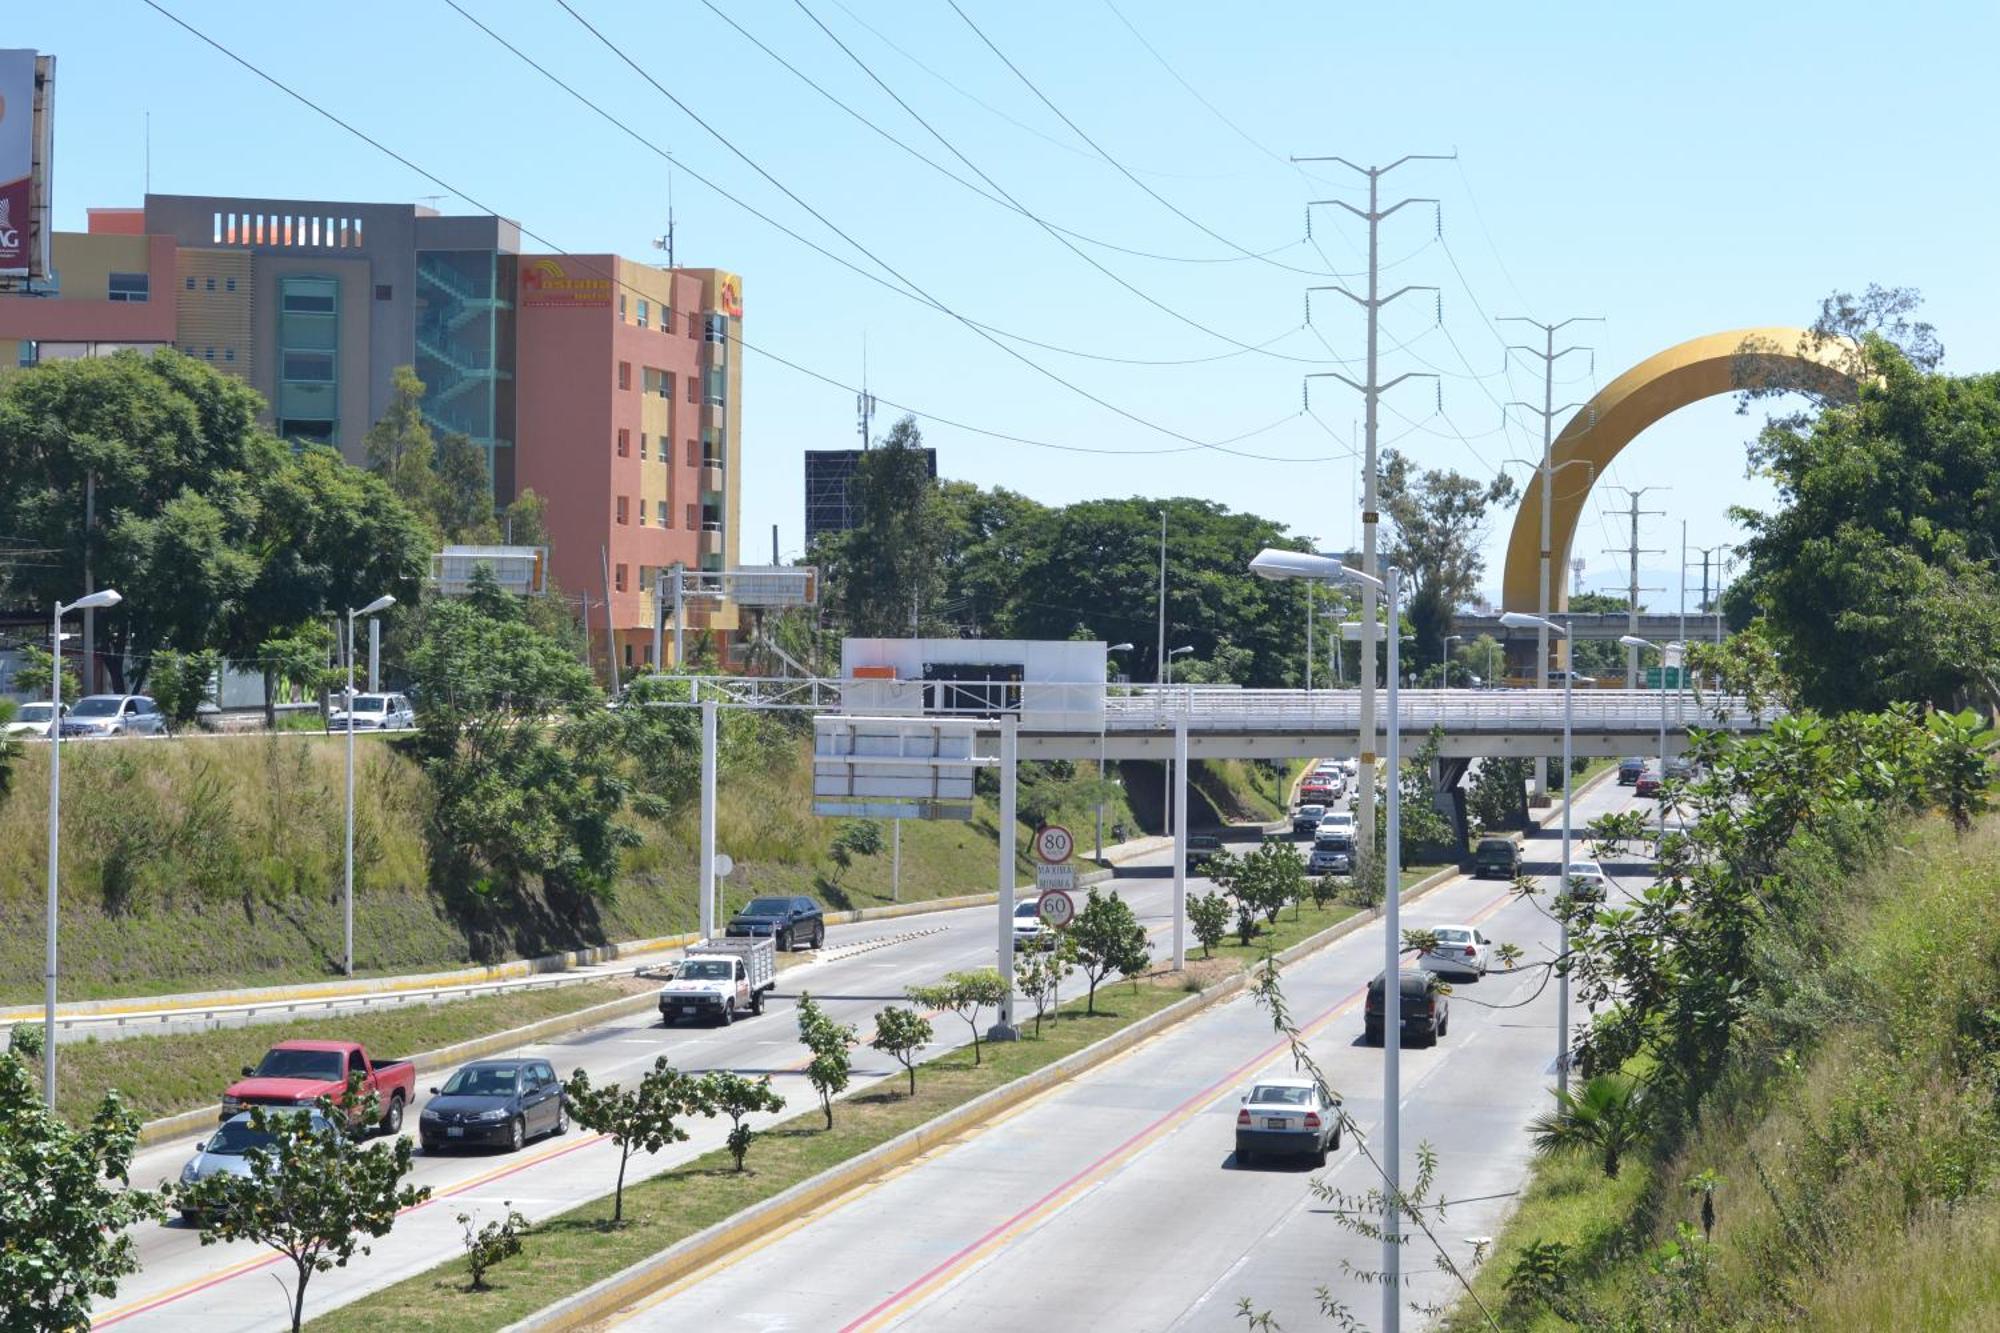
[(1115, 1201)]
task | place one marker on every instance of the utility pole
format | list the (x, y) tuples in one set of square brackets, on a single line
[(1545, 594), (1634, 551), (1713, 608), (1371, 392)]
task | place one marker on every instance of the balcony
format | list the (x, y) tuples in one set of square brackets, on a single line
[(711, 477), (711, 539), (713, 353), (714, 418)]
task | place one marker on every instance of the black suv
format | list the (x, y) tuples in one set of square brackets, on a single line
[(790, 922), (1200, 848), (1426, 1009), (1496, 856)]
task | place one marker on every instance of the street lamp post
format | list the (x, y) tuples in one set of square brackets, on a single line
[(1444, 655), (1634, 641), (1114, 648), (1167, 786), (104, 597), (1276, 564), (380, 604), (1522, 620)]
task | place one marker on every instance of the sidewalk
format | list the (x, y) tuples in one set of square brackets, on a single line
[(111, 1018)]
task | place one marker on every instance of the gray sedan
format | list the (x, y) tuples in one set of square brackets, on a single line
[(229, 1150)]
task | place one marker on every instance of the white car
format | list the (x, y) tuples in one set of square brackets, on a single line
[(1287, 1116), (1028, 923), (375, 712), (1338, 821), (1460, 949), (114, 715), (1587, 881), (32, 719)]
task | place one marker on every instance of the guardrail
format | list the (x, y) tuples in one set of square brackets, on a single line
[(1157, 708)]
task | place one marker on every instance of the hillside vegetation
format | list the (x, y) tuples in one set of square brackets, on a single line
[(213, 862)]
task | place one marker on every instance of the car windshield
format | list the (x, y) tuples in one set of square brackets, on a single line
[(371, 703), (321, 1066), (1495, 845), (703, 970), (1029, 908), (483, 1081), (1584, 868), (1311, 811), (766, 907), (1267, 1095), (236, 1138), (97, 705), (34, 712), (1453, 936)]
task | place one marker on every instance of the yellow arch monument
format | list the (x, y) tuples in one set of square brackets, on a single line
[(1699, 368)]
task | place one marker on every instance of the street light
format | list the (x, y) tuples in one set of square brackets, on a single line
[(104, 597), (1634, 641), (382, 603), (1276, 564), (1444, 655), (1114, 648), (1522, 620), (1167, 785), (1178, 652)]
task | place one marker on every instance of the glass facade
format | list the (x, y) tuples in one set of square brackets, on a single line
[(465, 341), (308, 406)]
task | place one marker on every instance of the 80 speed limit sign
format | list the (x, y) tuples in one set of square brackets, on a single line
[(1057, 908), (1054, 844)]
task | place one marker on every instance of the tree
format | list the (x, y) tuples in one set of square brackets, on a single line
[(1271, 876), (902, 1035), (883, 571), (964, 994), (1608, 1115), (297, 659), (66, 1209), (1040, 964), (1439, 517), (400, 448), (311, 1195), (1108, 939), (1209, 915), (31, 677), (645, 1118), (1957, 773), (725, 1092), (496, 1242), (182, 682), (525, 522), (1498, 797), (829, 1044), (464, 495)]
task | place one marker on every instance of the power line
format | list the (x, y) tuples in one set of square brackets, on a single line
[(1220, 446)]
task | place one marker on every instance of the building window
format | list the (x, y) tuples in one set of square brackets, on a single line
[(660, 382), (645, 313), (127, 287), (694, 390), (618, 574), (642, 513), (693, 517), (661, 514), (303, 367), (623, 517), (694, 328), (385, 291), (621, 307), (208, 284), (628, 655), (624, 374), (309, 296), (190, 282), (229, 354), (666, 319), (229, 284), (692, 451), (715, 327), (642, 445), (309, 356), (714, 385), (208, 354), (28, 353), (308, 431), (624, 442)]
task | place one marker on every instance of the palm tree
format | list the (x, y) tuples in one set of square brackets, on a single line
[(1608, 1115)]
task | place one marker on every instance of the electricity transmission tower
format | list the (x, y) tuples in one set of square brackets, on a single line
[(1634, 551)]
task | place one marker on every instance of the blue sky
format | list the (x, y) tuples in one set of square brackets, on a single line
[(1676, 170)]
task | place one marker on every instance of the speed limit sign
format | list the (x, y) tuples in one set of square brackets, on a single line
[(1057, 908), (1054, 844)]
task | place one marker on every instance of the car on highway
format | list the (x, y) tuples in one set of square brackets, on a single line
[(1305, 820), (719, 979), (1648, 784), (1587, 882), (1459, 950), (375, 712), (791, 923), (1332, 854), (99, 715), (1629, 769), (32, 718), (1336, 822), (1287, 1117), (1317, 789), (229, 1150), (1682, 769), (1028, 923), (1201, 848), (1426, 1009), (299, 1073), (494, 1104), (1496, 856)]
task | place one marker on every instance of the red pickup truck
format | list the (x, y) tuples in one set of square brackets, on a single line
[(298, 1073)]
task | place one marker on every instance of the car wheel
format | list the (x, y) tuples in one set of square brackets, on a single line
[(784, 943), (1244, 1156), (517, 1135), (392, 1119), (819, 934), (1333, 1144), (1319, 1158), (757, 1003), (562, 1117), (728, 1012)]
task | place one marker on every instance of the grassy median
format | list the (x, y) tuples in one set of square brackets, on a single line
[(162, 1076)]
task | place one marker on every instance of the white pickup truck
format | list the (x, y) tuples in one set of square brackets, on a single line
[(718, 979)]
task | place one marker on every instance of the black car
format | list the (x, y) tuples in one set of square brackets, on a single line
[(1201, 847), (494, 1103), (789, 922), (1426, 1009), (1629, 769), (1496, 856)]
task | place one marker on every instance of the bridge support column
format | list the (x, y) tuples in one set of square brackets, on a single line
[(1180, 788), (1003, 1029)]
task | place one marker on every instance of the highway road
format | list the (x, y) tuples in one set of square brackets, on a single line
[(1115, 1201), (219, 1288)]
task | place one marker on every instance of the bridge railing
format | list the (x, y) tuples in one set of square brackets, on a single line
[(1157, 708)]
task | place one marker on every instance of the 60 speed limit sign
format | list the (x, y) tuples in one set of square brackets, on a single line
[(1054, 844), (1057, 908)]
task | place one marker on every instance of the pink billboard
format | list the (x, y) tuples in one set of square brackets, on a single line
[(18, 241)]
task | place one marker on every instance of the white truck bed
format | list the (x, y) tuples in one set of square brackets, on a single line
[(759, 958)]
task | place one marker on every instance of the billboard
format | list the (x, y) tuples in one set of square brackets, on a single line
[(547, 282), (25, 116)]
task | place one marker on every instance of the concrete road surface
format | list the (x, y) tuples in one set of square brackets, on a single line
[(1115, 1201), (183, 1284)]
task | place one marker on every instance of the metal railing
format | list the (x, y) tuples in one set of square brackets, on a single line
[(1157, 708)]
